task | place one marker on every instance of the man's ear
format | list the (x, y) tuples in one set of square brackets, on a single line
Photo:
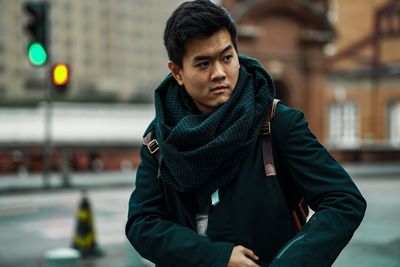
[(176, 72)]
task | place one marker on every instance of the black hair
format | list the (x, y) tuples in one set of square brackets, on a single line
[(199, 18)]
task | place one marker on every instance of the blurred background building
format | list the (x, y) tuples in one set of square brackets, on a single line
[(336, 60), (363, 92), (114, 49), (116, 55)]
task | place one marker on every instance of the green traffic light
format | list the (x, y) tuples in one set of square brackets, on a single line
[(37, 54)]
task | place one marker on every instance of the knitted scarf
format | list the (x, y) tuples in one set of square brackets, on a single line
[(203, 152)]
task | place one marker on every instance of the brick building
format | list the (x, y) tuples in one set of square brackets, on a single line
[(336, 61), (363, 93)]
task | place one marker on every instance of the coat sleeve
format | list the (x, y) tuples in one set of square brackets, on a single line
[(159, 239), (339, 206)]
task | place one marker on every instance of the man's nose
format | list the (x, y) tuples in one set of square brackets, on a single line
[(218, 72)]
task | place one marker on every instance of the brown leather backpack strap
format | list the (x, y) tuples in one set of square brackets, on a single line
[(301, 210), (152, 144), (299, 215), (266, 145)]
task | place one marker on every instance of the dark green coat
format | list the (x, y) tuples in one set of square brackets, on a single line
[(253, 210)]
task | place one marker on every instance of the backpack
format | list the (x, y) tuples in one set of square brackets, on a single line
[(300, 211)]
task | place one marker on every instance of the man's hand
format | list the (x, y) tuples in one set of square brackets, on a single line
[(242, 257)]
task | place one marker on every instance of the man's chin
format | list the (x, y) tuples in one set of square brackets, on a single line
[(220, 102), (223, 99)]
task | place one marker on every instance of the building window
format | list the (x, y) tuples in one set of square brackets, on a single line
[(394, 124), (343, 124)]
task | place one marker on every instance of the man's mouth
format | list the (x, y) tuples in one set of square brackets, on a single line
[(219, 89)]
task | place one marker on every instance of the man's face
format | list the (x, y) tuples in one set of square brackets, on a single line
[(210, 70)]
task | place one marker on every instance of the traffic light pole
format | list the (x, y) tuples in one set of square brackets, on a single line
[(48, 114), (48, 111), (39, 54)]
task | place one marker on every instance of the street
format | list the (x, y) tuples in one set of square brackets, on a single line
[(35, 222), (31, 224), (377, 240)]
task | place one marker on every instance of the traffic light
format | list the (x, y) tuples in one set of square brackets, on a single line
[(37, 30), (60, 76)]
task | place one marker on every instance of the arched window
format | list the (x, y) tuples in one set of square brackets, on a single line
[(394, 124), (343, 124)]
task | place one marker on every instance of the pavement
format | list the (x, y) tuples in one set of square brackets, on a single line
[(368, 170), (115, 254), (122, 255), (26, 182)]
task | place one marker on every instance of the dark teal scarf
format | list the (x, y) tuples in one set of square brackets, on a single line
[(203, 152)]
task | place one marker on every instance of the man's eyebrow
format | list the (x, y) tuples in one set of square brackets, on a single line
[(200, 57)]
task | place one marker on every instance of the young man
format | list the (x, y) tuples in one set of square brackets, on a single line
[(207, 200)]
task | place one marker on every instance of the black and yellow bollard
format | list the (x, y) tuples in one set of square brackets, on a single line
[(84, 239)]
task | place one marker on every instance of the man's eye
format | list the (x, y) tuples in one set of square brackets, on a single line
[(202, 65), (227, 58)]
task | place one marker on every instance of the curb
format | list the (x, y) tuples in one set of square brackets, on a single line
[(78, 181)]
